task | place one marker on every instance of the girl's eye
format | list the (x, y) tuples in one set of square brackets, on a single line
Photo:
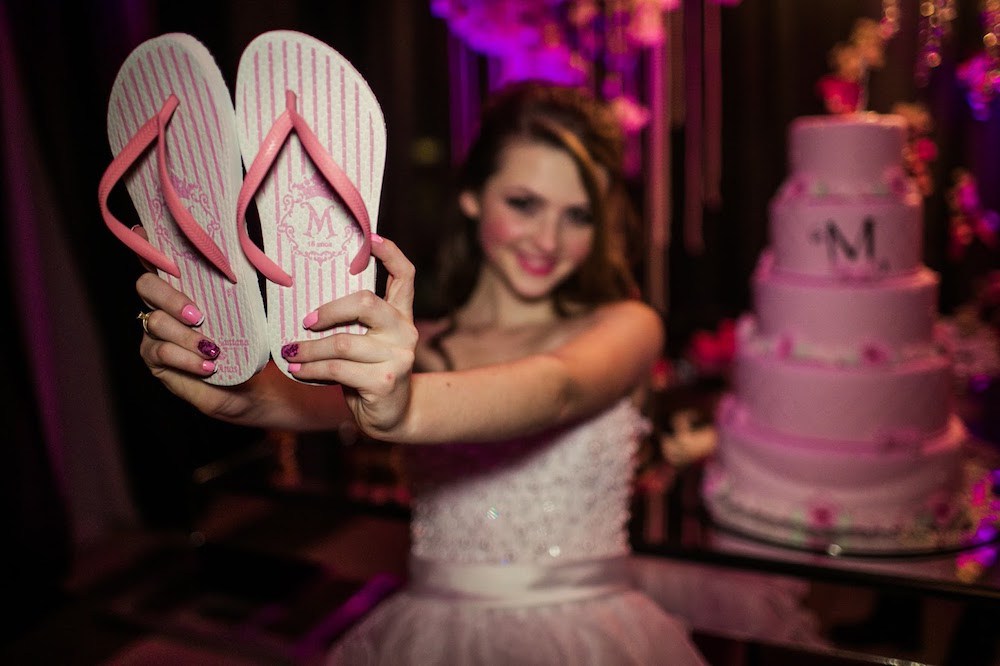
[(580, 216), (525, 204)]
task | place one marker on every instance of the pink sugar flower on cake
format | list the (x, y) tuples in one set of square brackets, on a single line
[(712, 352), (784, 346), (873, 353), (941, 507), (823, 516), (796, 187), (901, 185)]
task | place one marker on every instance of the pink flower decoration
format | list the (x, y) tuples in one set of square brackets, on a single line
[(631, 115), (941, 507), (783, 347), (713, 352), (925, 149), (874, 354), (822, 516), (900, 184), (646, 26)]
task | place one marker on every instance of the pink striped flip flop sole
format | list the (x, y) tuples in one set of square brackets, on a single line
[(201, 148), (313, 208)]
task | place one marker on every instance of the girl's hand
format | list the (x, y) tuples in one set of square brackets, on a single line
[(374, 368), (180, 356)]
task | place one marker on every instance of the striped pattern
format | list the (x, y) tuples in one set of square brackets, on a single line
[(204, 165), (305, 228)]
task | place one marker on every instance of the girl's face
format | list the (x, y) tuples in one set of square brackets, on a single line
[(536, 223)]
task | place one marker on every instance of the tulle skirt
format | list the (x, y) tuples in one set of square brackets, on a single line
[(616, 629), (730, 602)]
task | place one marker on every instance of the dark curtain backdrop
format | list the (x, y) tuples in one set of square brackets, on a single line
[(67, 55)]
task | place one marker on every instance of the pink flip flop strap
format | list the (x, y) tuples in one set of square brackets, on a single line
[(154, 130), (270, 148)]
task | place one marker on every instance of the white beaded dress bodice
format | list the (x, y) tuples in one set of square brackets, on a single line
[(554, 498)]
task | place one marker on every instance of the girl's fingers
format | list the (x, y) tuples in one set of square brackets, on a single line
[(363, 307), (399, 287), (159, 295), (368, 378), (346, 346), (165, 354), (162, 327), (174, 340), (394, 312)]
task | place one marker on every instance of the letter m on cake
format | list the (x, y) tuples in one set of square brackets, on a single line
[(838, 245)]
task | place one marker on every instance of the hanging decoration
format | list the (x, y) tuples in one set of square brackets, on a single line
[(980, 74), (889, 23), (574, 42), (934, 26), (970, 223)]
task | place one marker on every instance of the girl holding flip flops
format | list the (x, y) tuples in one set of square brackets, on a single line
[(517, 411)]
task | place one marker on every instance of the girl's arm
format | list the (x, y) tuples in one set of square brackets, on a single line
[(586, 374)]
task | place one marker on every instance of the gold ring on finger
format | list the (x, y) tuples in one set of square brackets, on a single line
[(144, 318)]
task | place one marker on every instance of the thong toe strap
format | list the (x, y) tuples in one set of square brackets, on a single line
[(271, 146), (152, 130)]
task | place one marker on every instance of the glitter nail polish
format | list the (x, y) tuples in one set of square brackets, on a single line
[(208, 348)]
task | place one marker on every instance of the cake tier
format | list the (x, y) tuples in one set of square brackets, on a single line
[(873, 402), (848, 234), (853, 148), (850, 493), (896, 313), (796, 468)]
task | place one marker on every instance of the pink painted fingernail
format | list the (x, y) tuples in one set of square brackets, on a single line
[(377, 239), (135, 227), (208, 348), (208, 366), (291, 349), (310, 319), (192, 315), (294, 367)]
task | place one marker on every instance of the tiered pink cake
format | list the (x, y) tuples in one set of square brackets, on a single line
[(839, 431)]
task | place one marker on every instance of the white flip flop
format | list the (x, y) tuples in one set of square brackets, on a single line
[(313, 139), (172, 129)]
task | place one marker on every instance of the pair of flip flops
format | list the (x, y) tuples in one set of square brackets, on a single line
[(312, 137)]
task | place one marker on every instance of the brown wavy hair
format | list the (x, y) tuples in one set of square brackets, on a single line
[(572, 120)]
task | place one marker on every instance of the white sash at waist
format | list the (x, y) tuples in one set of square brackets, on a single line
[(506, 585)]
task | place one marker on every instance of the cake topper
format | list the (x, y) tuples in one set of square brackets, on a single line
[(841, 89), (845, 88)]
